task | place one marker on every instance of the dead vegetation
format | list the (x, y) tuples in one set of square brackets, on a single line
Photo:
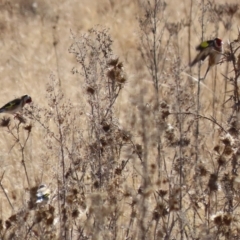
[(154, 157)]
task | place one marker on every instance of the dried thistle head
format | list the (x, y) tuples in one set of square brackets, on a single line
[(228, 150), (221, 160), (227, 140), (138, 149), (75, 213), (231, 9), (28, 128), (217, 218), (222, 218), (162, 193), (227, 219), (212, 183), (229, 56), (5, 122), (115, 70), (159, 211), (113, 61), (153, 168), (20, 118), (233, 129), (90, 89), (145, 191), (202, 169), (217, 149), (106, 126), (118, 171)]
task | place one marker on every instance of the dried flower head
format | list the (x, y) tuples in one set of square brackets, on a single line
[(202, 170), (221, 160), (90, 90), (228, 139), (217, 218), (222, 218), (113, 61), (5, 122), (75, 213), (20, 118), (160, 210), (28, 128), (229, 56), (162, 193), (212, 183), (228, 150), (115, 71), (217, 148), (138, 149)]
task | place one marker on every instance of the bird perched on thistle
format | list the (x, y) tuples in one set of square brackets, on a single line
[(16, 105), (213, 49), (43, 193)]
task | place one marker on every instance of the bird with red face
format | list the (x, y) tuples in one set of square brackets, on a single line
[(213, 49), (16, 105)]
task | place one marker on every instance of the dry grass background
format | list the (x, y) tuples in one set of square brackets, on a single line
[(117, 146)]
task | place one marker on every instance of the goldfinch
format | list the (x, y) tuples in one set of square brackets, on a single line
[(16, 105), (213, 49), (43, 193)]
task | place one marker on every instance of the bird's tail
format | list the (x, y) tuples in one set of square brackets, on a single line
[(191, 64)]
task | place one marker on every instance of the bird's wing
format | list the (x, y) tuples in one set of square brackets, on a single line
[(202, 55), (12, 105)]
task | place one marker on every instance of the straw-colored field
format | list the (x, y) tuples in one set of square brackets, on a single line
[(129, 149)]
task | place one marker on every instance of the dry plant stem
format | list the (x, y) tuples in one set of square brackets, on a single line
[(235, 80), (155, 229), (131, 220), (214, 92), (180, 122), (189, 34), (214, 121), (5, 193), (44, 126), (152, 54), (112, 101), (145, 176), (22, 147), (55, 43), (61, 142), (170, 226), (196, 179), (137, 152), (95, 191), (95, 133), (225, 90), (100, 71), (214, 71)]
